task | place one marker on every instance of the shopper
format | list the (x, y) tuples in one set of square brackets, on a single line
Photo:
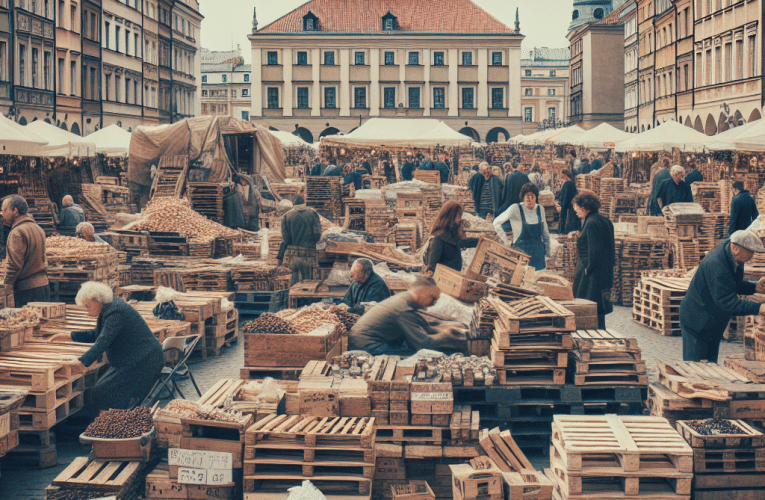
[(530, 232), (447, 239)]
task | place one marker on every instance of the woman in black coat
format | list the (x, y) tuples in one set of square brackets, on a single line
[(447, 239), (595, 248), (568, 218)]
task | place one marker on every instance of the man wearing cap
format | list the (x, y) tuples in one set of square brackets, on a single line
[(743, 209), (713, 296)]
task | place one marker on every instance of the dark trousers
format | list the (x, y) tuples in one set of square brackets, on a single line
[(24, 297), (698, 349), (601, 322), (482, 214)]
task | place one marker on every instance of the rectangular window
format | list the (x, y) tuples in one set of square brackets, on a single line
[(93, 86), (273, 58), (685, 77), (358, 58), (60, 20), (550, 115), (127, 91), (106, 34), (467, 98), (528, 91), (414, 97), (60, 76), (245, 92), (224, 78), (390, 58), (752, 56), (302, 97), (438, 98), (329, 98), (117, 84), (117, 38), (93, 26), (414, 58), (497, 98), (107, 84), (360, 97), (302, 58), (233, 93), (527, 72), (718, 65), (467, 58), (273, 97), (136, 45), (528, 114), (728, 62), (73, 17), (438, 58), (246, 77), (739, 59), (246, 116), (552, 72), (496, 58), (550, 91), (708, 72), (73, 78), (389, 94), (204, 78), (35, 61), (329, 58)]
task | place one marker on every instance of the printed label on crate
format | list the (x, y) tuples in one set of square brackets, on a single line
[(432, 396), (200, 459), (189, 475)]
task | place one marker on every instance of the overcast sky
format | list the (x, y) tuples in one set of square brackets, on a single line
[(228, 22)]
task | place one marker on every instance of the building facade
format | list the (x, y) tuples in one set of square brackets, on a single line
[(85, 64), (320, 71), (544, 88), (629, 17), (226, 84)]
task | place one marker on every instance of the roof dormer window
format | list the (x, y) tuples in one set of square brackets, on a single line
[(389, 22), (310, 22)]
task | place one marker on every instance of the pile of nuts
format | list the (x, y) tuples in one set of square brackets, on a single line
[(190, 409), (19, 318), (311, 318), (346, 318), (121, 424), (714, 427), (268, 323), (175, 215), (77, 494), (64, 246)]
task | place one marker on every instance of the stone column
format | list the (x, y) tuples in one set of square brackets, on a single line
[(287, 103), (454, 88), (482, 99), (345, 77), (316, 77), (374, 81)]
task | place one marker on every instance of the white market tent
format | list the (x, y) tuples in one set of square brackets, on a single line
[(61, 142), (111, 141), (288, 139), (517, 138), (568, 136), (394, 132), (16, 140), (666, 136), (539, 138), (751, 139), (602, 136)]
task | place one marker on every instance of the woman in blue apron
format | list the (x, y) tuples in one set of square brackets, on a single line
[(530, 232)]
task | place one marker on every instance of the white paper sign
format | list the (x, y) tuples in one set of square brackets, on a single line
[(189, 475), (200, 459)]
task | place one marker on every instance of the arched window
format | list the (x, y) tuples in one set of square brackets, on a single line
[(575, 15), (598, 14)]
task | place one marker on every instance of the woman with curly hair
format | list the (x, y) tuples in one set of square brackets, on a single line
[(447, 239), (595, 248)]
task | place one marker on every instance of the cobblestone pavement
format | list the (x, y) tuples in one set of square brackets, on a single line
[(20, 483)]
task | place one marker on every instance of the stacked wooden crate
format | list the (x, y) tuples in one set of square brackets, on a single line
[(270, 351), (728, 458), (378, 220), (67, 272), (431, 404), (323, 194), (609, 188), (684, 221), (429, 176), (407, 235), (10, 400), (754, 338), (637, 253), (481, 329), (566, 257), (619, 457), (389, 406), (605, 358), (656, 302), (714, 229), (432, 198), (333, 453), (86, 477), (222, 330), (355, 218), (708, 195), (170, 178), (202, 278), (532, 341)]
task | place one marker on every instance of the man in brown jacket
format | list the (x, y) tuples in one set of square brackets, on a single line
[(26, 267)]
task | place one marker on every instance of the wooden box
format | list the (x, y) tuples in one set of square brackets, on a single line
[(432, 399), (268, 349), (749, 437), (481, 478), (455, 284), (489, 251), (415, 490), (49, 310)]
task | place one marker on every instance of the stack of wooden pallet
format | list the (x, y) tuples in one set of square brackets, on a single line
[(431, 403), (656, 303), (566, 257), (532, 341), (708, 195), (170, 178), (609, 188), (637, 253), (604, 357), (260, 276), (432, 198), (714, 229), (355, 210), (10, 400), (67, 272), (248, 249), (481, 328), (203, 278), (462, 195), (333, 453), (754, 338), (429, 176), (728, 458), (222, 330), (619, 457), (684, 221), (389, 397), (625, 203), (378, 219), (323, 194), (85, 477), (408, 235), (42, 212), (519, 474)]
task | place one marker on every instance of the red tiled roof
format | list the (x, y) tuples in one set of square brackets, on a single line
[(365, 16)]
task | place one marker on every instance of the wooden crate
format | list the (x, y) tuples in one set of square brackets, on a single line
[(121, 479), (455, 284), (491, 258), (266, 349)]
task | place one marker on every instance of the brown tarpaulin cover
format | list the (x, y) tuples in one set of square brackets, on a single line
[(201, 138)]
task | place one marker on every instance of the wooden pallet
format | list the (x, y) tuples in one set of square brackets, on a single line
[(170, 177), (732, 461), (103, 476), (313, 432), (752, 370), (412, 434), (637, 442), (529, 358), (533, 315)]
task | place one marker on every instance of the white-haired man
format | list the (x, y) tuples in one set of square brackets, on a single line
[(675, 189), (87, 232), (367, 286), (71, 214), (487, 191)]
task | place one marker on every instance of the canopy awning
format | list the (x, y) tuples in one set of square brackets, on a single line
[(665, 137), (400, 132), (602, 136), (61, 142), (112, 140), (288, 139), (566, 137), (17, 140)]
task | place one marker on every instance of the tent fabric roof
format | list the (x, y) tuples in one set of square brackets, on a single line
[(112, 140), (61, 142), (397, 132), (602, 136), (288, 139), (18, 140), (570, 134), (542, 136), (666, 136), (365, 16)]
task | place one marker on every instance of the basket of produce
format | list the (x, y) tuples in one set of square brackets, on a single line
[(121, 434)]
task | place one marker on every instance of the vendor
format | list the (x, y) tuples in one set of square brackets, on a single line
[(71, 214), (318, 169), (135, 356), (87, 232), (529, 225), (659, 177), (395, 325), (448, 238), (248, 194), (407, 170), (675, 189), (333, 171), (487, 191), (442, 168), (301, 231), (367, 286)]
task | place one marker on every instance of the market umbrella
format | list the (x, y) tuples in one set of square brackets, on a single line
[(111, 141), (16, 140), (61, 142), (288, 139), (752, 139), (666, 136), (566, 137), (602, 136)]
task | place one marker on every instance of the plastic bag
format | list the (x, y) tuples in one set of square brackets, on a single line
[(306, 491), (450, 309), (168, 310), (165, 294), (415, 358)]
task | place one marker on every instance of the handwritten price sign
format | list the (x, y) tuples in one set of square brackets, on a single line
[(201, 467)]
